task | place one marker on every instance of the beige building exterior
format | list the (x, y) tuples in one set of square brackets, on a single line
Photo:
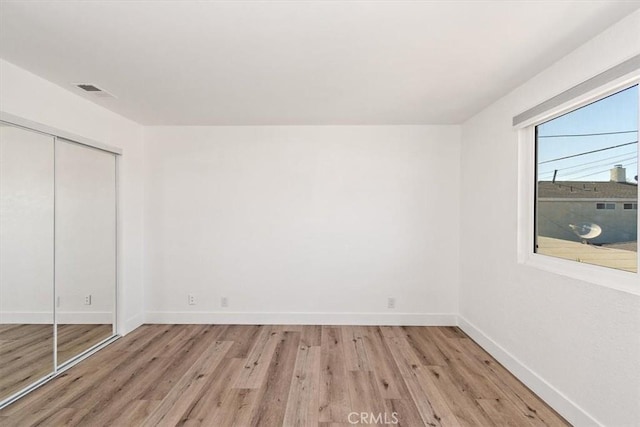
[(563, 206)]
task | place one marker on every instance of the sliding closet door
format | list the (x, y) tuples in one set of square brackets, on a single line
[(26, 258), (85, 263)]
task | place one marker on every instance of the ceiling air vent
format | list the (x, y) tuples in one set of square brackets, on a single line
[(94, 90), (89, 88)]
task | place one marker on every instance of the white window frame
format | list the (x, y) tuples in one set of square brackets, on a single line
[(604, 276)]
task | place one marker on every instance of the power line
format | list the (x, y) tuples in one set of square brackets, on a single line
[(589, 152), (598, 166), (604, 159), (587, 134), (602, 171)]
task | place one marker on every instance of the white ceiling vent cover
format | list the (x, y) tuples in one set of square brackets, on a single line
[(93, 90)]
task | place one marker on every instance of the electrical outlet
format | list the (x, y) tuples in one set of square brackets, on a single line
[(87, 299), (191, 299), (391, 303), (224, 302)]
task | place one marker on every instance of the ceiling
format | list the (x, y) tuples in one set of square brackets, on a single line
[(297, 63)]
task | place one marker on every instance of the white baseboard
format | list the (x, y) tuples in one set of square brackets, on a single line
[(71, 318), (132, 323), (558, 401), (78, 318), (249, 318), (28, 318)]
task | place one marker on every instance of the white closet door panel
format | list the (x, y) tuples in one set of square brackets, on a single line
[(85, 246), (26, 258)]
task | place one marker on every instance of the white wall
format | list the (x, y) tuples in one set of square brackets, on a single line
[(575, 343), (302, 224), (31, 97)]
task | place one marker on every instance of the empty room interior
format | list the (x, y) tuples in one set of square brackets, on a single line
[(319, 213)]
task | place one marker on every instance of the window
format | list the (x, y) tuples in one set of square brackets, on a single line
[(584, 157), (610, 206)]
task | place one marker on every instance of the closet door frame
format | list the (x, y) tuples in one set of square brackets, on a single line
[(67, 137)]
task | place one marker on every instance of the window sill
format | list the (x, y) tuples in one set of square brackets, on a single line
[(623, 281)]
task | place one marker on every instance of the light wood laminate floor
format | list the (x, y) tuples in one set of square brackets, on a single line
[(222, 375), (26, 350)]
